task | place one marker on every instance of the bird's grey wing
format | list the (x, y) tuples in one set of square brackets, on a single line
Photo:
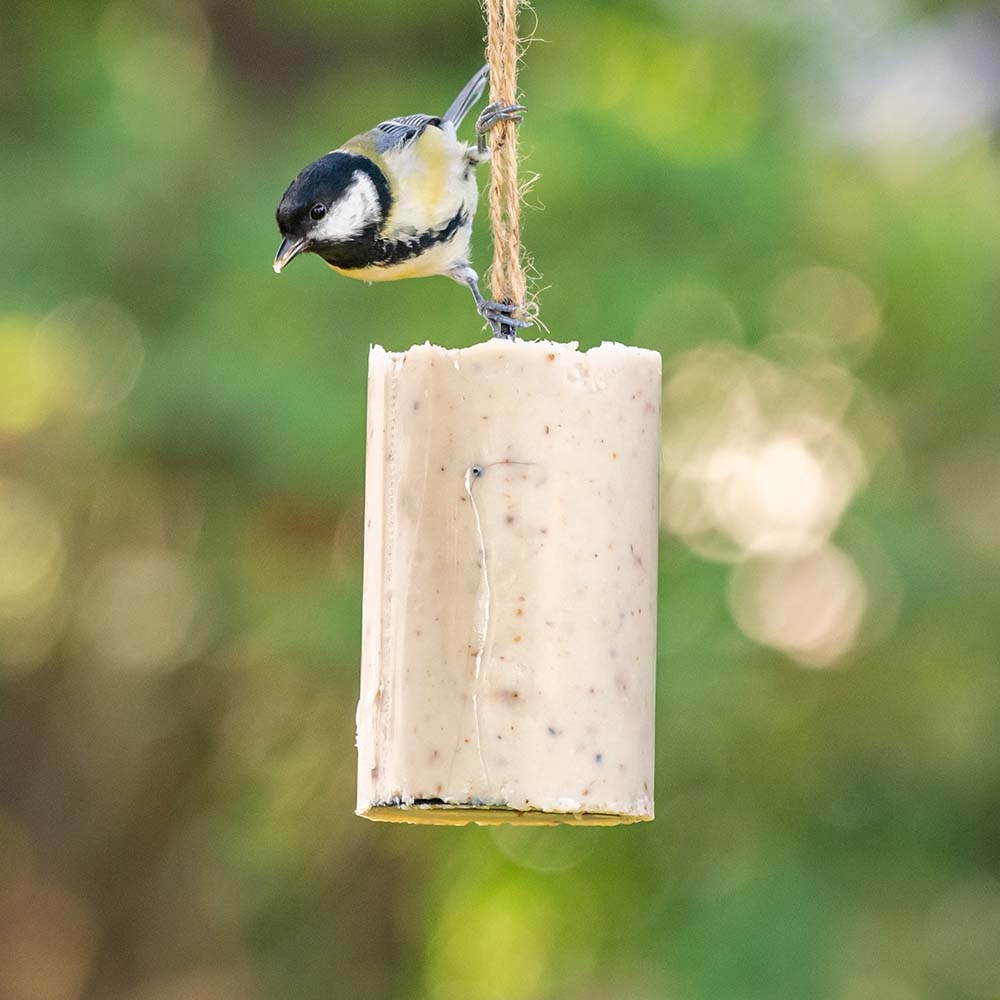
[(399, 132)]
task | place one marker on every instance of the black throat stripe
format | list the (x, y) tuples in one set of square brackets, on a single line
[(369, 249), (397, 251)]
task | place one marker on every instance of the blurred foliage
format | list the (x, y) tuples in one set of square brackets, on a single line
[(797, 203)]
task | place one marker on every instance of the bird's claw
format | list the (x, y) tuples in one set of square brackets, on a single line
[(492, 115), (497, 112), (502, 322)]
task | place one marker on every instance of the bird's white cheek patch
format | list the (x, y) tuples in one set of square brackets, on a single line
[(355, 210)]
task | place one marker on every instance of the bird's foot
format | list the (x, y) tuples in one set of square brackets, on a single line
[(502, 322), (492, 115)]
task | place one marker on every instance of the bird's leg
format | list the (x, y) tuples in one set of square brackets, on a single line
[(492, 115), (497, 314)]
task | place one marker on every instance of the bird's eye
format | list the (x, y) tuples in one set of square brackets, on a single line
[(317, 212)]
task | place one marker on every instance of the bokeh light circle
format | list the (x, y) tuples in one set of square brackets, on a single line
[(31, 549), (25, 399), (91, 353), (138, 608), (810, 608), (158, 55), (685, 315), (755, 458), (833, 305), (542, 849)]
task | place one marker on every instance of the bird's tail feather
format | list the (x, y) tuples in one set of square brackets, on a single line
[(470, 93)]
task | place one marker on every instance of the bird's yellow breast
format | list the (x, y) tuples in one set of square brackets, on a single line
[(431, 181)]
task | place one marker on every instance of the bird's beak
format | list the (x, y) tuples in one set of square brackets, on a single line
[(288, 250)]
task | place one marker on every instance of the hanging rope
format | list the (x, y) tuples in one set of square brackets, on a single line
[(507, 281)]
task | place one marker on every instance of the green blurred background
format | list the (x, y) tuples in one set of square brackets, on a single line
[(798, 203)]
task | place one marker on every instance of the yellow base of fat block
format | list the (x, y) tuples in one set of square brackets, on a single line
[(509, 616), (453, 815)]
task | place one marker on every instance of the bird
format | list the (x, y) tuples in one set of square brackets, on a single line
[(398, 201)]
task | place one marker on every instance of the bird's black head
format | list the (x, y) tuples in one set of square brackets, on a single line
[(340, 198)]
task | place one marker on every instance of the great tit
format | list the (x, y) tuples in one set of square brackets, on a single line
[(398, 202)]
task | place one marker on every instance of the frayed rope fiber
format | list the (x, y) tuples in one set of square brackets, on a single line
[(502, 53)]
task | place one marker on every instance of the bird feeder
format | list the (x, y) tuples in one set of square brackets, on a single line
[(510, 568)]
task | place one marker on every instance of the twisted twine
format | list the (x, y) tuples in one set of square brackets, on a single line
[(507, 277)]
